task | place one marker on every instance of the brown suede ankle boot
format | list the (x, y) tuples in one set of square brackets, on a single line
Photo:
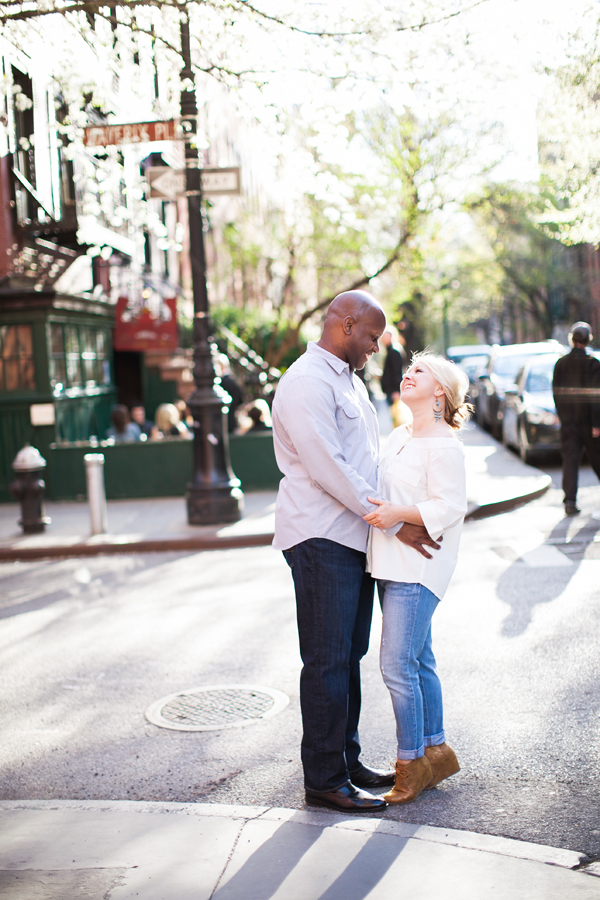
[(411, 777), (443, 763)]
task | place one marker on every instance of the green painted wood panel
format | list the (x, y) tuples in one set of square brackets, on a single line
[(156, 468)]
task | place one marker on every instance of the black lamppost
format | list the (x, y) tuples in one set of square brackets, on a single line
[(214, 493)]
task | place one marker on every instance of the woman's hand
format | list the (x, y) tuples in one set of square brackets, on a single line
[(387, 515)]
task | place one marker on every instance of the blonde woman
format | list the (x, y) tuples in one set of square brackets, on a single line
[(168, 422), (422, 472)]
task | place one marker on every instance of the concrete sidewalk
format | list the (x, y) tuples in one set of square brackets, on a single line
[(497, 480), (54, 850)]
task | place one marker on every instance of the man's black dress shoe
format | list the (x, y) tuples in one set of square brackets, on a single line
[(370, 778), (346, 799)]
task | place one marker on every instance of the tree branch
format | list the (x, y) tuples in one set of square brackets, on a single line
[(94, 7)]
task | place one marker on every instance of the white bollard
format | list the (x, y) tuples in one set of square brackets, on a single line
[(94, 473)]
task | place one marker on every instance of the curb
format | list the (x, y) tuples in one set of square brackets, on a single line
[(466, 840), (486, 510), (122, 544)]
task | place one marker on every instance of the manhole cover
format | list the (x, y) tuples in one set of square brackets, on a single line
[(217, 706)]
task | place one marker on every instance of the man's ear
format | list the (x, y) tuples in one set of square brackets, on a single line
[(347, 324)]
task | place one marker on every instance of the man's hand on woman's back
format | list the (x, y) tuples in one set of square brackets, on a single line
[(417, 536)]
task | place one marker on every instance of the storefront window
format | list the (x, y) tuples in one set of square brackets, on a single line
[(78, 357), (102, 358), (17, 370), (58, 368), (88, 356), (72, 356)]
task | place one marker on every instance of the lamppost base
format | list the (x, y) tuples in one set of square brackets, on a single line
[(214, 504), (35, 527)]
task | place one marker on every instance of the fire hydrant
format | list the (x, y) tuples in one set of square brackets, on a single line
[(28, 487)]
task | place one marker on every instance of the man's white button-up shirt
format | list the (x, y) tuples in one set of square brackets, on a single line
[(326, 440)]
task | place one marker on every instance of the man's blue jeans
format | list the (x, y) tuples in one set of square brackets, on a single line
[(408, 666), (334, 600)]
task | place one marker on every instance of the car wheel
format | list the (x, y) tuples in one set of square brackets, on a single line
[(524, 451)]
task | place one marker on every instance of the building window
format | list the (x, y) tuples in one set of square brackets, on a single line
[(72, 356), (78, 357), (24, 156), (17, 370), (58, 368)]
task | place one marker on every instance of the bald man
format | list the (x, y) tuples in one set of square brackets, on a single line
[(327, 447)]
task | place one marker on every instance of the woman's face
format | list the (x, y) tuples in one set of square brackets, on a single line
[(418, 384)]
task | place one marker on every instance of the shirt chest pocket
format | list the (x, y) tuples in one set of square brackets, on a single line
[(411, 476), (351, 424), (407, 484)]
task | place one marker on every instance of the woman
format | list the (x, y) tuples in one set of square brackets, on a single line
[(122, 429), (422, 472), (168, 422)]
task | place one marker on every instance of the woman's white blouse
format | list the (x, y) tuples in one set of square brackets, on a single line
[(428, 473)]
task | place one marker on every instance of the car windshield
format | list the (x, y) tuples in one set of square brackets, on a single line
[(473, 364), (539, 378), (509, 366)]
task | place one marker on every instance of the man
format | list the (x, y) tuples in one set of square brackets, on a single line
[(138, 415), (576, 387), (230, 384), (327, 446), (392, 368)]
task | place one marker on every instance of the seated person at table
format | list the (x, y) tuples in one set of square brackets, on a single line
[(168, 422), (138, 416), (122, 429)]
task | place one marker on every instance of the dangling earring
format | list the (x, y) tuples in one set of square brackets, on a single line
[(437, 410)]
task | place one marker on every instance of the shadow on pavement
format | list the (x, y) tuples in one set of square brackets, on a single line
[(274, 861), (522, 585)]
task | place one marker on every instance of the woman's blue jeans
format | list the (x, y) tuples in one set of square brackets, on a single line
[(334, 600), (408, 666)]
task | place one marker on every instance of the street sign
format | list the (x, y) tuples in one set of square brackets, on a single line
[(165, 183), (169, 184), (221, 181), (139, 133)]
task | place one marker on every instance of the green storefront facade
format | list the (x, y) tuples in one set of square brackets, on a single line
[(55, 374), (57, 392)]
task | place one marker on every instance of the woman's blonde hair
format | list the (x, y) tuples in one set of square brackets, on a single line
[(166, 416), (454, 382)]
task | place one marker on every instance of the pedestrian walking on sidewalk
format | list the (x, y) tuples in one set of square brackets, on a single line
[(422, 473), (327, 446), (576, 388), (391, 375)]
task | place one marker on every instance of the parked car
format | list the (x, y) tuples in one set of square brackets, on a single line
[(460, 353), (529, 420), (472, 358), (503, 366)]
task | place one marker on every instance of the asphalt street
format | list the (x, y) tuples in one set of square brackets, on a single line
[(87, 645)]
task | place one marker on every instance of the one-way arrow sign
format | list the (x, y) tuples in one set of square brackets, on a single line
[(169, 184), (166, 184)]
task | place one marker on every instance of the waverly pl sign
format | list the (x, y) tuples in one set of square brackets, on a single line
[(139, 133)]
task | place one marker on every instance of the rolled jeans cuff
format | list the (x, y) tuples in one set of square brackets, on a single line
[(411, 754), (435, 740)]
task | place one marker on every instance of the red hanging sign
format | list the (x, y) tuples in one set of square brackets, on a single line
[(140, 328)]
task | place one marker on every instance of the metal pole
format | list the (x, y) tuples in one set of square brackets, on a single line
[(214, 493), (94, 474)]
